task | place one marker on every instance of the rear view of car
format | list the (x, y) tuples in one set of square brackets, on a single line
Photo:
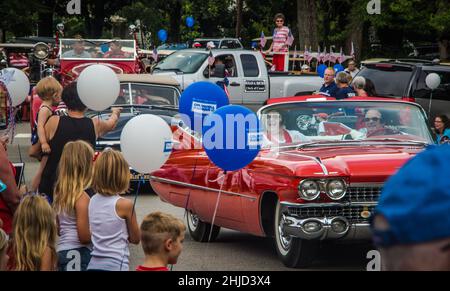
[(407, 80)]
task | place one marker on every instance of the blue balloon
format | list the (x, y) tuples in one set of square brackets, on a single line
[(232, 137), (200, 100), (162, 35), (321, 70), (104, 48), (190, 21), (338, 68)]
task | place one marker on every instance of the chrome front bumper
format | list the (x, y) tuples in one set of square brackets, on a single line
[(297, 227)]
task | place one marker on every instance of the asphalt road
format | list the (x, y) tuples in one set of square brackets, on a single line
[(233, 251)]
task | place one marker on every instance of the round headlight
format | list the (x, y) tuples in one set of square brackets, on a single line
[(309, 190), (336, 189), (41, 51)]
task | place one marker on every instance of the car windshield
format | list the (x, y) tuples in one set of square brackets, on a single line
[(97, 49), (344, 122), (143, 94), (185, 62), (382, 78)]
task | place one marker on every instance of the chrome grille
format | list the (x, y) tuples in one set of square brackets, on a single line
[(363, 194), (352, 213)]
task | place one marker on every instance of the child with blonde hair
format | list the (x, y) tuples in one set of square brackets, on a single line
[(71, 205), (49, 90), (162, 237), (112, 218), (3, 250), (34, 235)]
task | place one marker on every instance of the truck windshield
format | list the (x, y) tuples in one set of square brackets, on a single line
[(382, 78), (185, 62)]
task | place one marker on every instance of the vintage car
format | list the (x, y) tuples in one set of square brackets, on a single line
[(75, 55), (140, 94), (321, 183)]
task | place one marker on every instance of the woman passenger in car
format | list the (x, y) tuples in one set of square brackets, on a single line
[(276, 132)]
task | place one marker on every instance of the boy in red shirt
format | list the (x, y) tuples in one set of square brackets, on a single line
[(162, 237)]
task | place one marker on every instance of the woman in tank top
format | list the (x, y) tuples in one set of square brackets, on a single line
[(75, 126)]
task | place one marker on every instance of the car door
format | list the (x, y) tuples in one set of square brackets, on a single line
[(254, 86), (224, 201)]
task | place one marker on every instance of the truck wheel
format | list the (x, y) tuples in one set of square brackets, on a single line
[(293, 252), (199, 230)]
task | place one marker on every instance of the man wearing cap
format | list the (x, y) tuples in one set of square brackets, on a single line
[(411, 225)]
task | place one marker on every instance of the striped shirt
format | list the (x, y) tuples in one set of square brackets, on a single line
[(280, 37)]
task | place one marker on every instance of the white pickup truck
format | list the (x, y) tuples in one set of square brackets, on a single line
[(250, 83)]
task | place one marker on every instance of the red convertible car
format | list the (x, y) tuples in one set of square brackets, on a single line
[(318, 177)]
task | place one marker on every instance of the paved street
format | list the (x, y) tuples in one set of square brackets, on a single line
[(232, 251)]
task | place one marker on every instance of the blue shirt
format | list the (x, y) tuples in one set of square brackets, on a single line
[(330, 90), (440, 136), (345, 93)]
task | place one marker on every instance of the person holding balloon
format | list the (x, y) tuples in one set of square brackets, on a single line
[(75, 126), (329, 88), (345, 91)]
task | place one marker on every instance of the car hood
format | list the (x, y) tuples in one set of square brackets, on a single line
[(113, 137), (359, 164)]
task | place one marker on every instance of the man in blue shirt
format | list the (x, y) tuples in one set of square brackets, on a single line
[(345, 91), (329, 88)]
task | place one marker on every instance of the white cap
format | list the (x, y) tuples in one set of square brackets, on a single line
[(210, 45)]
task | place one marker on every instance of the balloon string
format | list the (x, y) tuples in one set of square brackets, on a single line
[(215, 212)]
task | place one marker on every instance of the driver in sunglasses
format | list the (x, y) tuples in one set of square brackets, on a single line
[(374, 125)]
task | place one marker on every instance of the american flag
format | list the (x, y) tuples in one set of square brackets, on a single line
[(326, 56), (319, 55), (211, 59), (263, 40), (341, 57), (333, 56), (290, 39), (155, 55)]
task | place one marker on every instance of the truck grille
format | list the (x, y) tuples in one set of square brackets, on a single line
[(352, 213), (363, 194)]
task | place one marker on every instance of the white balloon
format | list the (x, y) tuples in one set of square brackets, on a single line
[(146, 143), (98, 87), (17, 83), (433, 81)]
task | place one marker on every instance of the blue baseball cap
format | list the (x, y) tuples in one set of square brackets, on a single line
[(415, 202)]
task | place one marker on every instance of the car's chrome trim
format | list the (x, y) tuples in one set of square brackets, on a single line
[(198, 187), (362, 185), (326, 205), (295, 227), (317, 160)]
